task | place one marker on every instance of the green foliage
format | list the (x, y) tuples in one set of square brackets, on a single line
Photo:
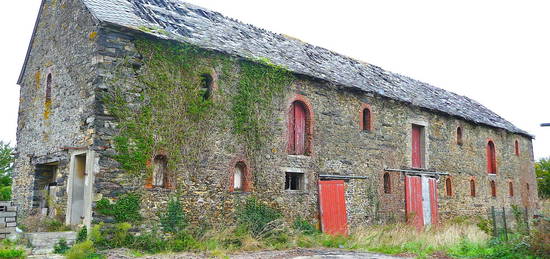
[(12, 253), (257, 217), (125, 209), (173, 220), (82, 235), (6, 168), (304, 227), (253, 104), (84, 250), (542, 169), (61, 247)]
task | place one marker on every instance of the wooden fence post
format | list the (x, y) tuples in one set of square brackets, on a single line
[(504, 221), (494, 221)]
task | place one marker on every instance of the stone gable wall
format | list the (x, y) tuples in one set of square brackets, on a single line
[(63, 45)]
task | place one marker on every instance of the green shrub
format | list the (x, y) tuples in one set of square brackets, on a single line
[(84, 250), (257, 216), (182, 242), (5, 193), (148, 242), (12, 253), (173, 220), (125, 209), (82, 235), (61, 247), (304, 226)]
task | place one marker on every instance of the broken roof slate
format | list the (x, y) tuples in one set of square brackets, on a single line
[(176, 20)]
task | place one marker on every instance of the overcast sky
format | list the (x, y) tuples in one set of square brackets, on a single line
[(495, 52)]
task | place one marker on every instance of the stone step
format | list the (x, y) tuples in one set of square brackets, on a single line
[(43, 242)]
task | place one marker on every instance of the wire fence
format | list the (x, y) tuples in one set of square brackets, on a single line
[(505, 221)]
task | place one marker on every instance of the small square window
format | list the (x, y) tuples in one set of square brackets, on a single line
[(294, 181)]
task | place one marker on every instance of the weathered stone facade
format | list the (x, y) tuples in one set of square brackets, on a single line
[(90, 60)]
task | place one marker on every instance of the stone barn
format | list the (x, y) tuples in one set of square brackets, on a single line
[(162, 99)]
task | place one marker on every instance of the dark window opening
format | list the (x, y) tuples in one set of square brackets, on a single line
[(511, 189), (449, 187), (527, 187), (160, 171), (491, 158), (493, 189), (294, 181), (366, 120), (49, 88), (298, 129), (472, 188), (516, 147), (206, 86), (44, 189), (387, 183), (459, 135)]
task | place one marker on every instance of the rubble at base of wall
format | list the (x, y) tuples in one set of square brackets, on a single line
[(8, 219)]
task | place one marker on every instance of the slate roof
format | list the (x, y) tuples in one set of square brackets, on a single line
[(211, 30)]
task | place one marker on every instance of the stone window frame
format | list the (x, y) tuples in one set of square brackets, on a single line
[(491, 163), (212, 83), (169, 178), (493, 188), (449, 187), (92, 168), (516, 147), (247, 177), (304, 184), (310, 122), (386, 183), (420, 121), (473, 191), (368, 127)]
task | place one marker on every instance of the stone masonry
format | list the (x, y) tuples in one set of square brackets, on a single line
[(8, 218), (83, 47)]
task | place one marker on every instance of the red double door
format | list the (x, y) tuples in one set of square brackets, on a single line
[(333, 207), (421, 201)]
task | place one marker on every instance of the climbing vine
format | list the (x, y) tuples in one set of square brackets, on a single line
[(160, 105)]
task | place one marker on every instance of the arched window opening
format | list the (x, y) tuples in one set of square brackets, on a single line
[(493, 188), (472, 188), (299, 129), (160, 171), (206, 86), (387, 183), (49, 88), (239, 176), (459, 135), (449, 187), (516, 147), (366, 120), (511, 189), (491, 158)]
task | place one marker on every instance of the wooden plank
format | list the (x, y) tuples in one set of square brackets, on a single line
[(333, 207), (416, 151), (433, 201), (413, 201), (299, 128)]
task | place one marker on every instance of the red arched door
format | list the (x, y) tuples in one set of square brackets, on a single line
[(297, 129)]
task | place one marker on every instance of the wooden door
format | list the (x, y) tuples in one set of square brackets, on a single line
[(416, 146), (413, 201), (299, 128), (333, 207), (433, 201)]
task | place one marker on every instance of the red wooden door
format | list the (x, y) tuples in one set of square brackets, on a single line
[(299, 128), (433, 201), (413, 201), (416, 147), (333, 207)]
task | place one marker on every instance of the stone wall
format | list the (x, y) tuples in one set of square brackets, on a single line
[(339, 146), (8, 219), (63, 45)]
